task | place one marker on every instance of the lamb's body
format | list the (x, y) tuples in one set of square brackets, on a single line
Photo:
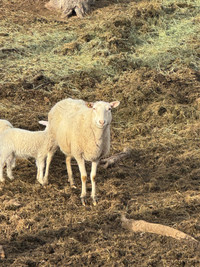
[(81, 7), (77, 132), (16, 142)]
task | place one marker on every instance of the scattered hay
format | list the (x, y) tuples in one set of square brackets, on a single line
[(142, 54), (69, 48)]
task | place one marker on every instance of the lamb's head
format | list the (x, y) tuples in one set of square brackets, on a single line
[(101, 112), (4, 125)]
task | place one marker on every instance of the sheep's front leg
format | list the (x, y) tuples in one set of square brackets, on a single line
[(92, 177), (69, 172), (81, 165)]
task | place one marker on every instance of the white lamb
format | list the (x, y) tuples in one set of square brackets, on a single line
[(4, 125), (16, 142), (82, 131)]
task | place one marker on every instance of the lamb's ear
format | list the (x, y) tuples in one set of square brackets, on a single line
[(89, 104), (45, 123), (114, 104)]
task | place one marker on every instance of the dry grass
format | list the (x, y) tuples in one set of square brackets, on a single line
[(143, 53)]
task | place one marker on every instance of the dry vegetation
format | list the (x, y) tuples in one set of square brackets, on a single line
[(143, 53)]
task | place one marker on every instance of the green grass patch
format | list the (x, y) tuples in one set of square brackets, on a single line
[(160, 35)]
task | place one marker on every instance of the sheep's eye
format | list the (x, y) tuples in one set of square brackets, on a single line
[(89, 105), (94, 108), (109, 108)]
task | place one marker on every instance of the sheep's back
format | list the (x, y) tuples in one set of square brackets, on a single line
[(69, 131), (62, 112)]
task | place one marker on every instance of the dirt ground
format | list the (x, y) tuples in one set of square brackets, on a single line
[(158, 118)]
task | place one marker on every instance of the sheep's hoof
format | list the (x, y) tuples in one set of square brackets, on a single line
[(71, 182), (94, 201), (11, 178), (2, 180), (45, 182), (40, 181), (83, 201)]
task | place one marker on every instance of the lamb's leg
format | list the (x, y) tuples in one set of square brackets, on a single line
[(40, 170), (3, 158), (92, 177), (13, 163), (10, 163), (69, 171), (48, 161), (2, 179), (81, 165)]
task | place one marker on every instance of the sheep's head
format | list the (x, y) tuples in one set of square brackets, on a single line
[(102, 112)]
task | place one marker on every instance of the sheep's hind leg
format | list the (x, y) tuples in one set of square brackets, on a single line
[(69, 171), (92, 177), (81, 165)]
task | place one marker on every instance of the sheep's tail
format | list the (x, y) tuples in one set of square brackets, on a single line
[(45, 123), (160, 229)]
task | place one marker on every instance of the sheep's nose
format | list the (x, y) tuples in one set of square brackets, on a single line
[(102, 122)]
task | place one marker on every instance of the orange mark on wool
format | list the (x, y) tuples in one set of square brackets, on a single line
[(84, 178)]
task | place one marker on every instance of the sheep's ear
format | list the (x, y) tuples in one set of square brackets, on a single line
[(89, 104), (114, 104), (45, 123)]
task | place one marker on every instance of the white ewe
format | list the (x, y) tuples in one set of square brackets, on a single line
[(82, 132), (16, 142)]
